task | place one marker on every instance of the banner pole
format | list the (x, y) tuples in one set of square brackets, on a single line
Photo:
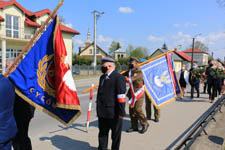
[(33, 39), (141, 64)]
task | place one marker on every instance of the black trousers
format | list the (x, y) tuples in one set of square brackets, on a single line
[(205, 87), (196, 86), (212, 90), (219, 85), (104, 126), (22, 140)]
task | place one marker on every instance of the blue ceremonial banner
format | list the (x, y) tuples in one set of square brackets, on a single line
[(159, 81), (34, 78), (178, 88)]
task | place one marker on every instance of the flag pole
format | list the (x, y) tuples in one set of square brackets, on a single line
[(141, 64), (34, 38)]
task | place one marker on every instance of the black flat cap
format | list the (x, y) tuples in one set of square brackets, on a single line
[(134, 59), (107, 59)]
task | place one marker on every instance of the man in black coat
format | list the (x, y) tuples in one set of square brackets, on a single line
[(111, 102), (23, 113)]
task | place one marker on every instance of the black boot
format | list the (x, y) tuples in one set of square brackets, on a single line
[(132, 130), (144, 129)]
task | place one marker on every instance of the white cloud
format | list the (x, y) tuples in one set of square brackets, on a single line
[(176, 25), (181, 35), (216, 36), (126, 10), (193, 25), (103, 39), (152, 38), (78, 41), (186, 25)]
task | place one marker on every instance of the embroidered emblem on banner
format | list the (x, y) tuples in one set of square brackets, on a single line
[(45, 74)]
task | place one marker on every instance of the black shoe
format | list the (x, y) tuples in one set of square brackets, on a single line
[(132, 130), (144, 129), (148, 118), (156, 120)]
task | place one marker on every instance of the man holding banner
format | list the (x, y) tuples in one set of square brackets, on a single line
[(44, 79), (8, 126), (136, 97)]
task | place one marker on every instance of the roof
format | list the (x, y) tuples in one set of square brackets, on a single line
[(119, 51), (31, 23), (195, 51), (1, 18), (67, 29), (184, 56), (29, 14), (161, 50), (42, 12), (4, 4), (91, 45)]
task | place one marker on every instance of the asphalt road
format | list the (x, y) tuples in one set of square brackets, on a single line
[(48, 134), (42, 123)]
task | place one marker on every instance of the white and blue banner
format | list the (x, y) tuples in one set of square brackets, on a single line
[(159, 81)]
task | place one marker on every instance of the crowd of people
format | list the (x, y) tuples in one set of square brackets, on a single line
[(15, 115), (211, 76)]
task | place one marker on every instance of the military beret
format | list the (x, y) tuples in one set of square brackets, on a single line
[(107, 59), (134, 59)]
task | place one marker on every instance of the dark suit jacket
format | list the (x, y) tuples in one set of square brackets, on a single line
[(107, 103)]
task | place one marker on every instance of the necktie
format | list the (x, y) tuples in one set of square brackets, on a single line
[(104, 78)]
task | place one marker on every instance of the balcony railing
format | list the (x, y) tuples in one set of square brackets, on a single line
[(21, 34)]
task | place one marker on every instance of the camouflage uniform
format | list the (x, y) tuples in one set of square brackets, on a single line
[(136, 113)]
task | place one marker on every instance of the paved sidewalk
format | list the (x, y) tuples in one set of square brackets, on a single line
[(175, 118)]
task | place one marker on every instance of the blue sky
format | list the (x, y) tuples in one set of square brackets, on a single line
[(147, 23)]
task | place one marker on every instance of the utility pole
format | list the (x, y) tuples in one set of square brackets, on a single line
[(193, 47), (96, 15), (95, 21), (212, 55), (192, 53)]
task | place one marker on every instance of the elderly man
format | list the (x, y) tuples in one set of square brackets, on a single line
[(8, 127), (111, 102)]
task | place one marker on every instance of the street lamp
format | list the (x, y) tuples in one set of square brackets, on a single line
[(193, 46), (96, 15)]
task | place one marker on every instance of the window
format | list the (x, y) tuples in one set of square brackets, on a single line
[(122, 56), (12, 26), (90, 51), (97, 51)]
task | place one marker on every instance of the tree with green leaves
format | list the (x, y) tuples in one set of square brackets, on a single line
[(129, 49), (164, 46), (201, 46), (139, 52), (113, 47)]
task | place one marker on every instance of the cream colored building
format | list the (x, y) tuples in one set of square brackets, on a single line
[(18, 25), (179, 58), (119, 54), (87, 49)]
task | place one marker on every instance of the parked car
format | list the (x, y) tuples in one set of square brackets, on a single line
[(76, 70)]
